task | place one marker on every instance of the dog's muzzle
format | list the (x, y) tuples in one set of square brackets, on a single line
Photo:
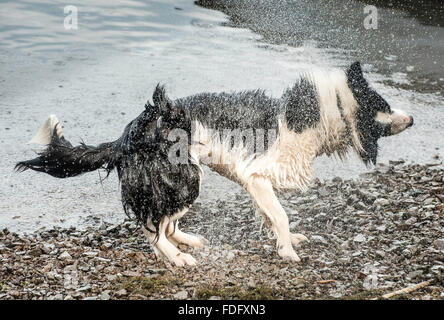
[(400, 121)]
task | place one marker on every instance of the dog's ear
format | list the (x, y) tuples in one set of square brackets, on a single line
[(161, 100), (171, 116), (355, 75)]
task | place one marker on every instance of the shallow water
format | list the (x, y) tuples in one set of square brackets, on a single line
[(402, 39), (98, 77)]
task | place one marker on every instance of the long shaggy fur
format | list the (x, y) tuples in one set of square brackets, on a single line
[(61, 160), (324, 112), (151, 186)]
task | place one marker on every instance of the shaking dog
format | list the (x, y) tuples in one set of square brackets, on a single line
[(262, 143)]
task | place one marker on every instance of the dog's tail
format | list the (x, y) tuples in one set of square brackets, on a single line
[(62, 160)]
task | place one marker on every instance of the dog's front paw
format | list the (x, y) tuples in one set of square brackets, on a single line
[(193, 241), (183, 259), (289, 254)]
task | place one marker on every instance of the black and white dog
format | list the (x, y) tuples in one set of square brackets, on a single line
[(260, 142)]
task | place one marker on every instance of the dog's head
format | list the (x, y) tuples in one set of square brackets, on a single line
[(374, 116), (173, 123)]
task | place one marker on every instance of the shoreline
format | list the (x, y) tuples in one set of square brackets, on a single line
[(408, 55), (386, 226)]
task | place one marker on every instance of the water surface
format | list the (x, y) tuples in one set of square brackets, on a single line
[(98, 77)]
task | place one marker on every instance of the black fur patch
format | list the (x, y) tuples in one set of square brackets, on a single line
[(369, 103), (151, 186), (302, 108), (243, 110), (255, 110), (232, 111), (61, 160)]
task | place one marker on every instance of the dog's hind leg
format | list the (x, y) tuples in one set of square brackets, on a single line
[(151, 236), (162, 246), (176, 236), (261, 190)]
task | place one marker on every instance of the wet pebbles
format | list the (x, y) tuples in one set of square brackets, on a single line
[(377, 234)]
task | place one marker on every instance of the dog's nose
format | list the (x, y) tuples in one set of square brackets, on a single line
[(411, 121)]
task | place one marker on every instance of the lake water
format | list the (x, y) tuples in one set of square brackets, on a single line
[(96, 78)]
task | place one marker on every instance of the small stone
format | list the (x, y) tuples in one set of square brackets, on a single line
[(352, 199), (345, 244), (70, 268), (298, 283), (214, 298), (35, 252), (14, 293), (336, 180), (121, 293), (230, 255), (65, 256), (412, 209), (323, 192), (380, 253), (84, 288), (251, 283), (344, 260), (437, 269), (336, 295), (381, 202), (90, 298), (318, 239), (181, 295), (414, 274), (411, 221), (111, 277), (356, 253), (105, 295), (321, 216), (90, 253), (157, 271), (407, 253), (359, 238), (129, 273), (58, 296), (360, 205), (439, 244), (46, 268)]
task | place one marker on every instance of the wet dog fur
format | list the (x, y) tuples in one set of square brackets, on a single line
[(274, 144)]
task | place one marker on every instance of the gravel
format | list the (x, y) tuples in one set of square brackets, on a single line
[(370, 236)]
